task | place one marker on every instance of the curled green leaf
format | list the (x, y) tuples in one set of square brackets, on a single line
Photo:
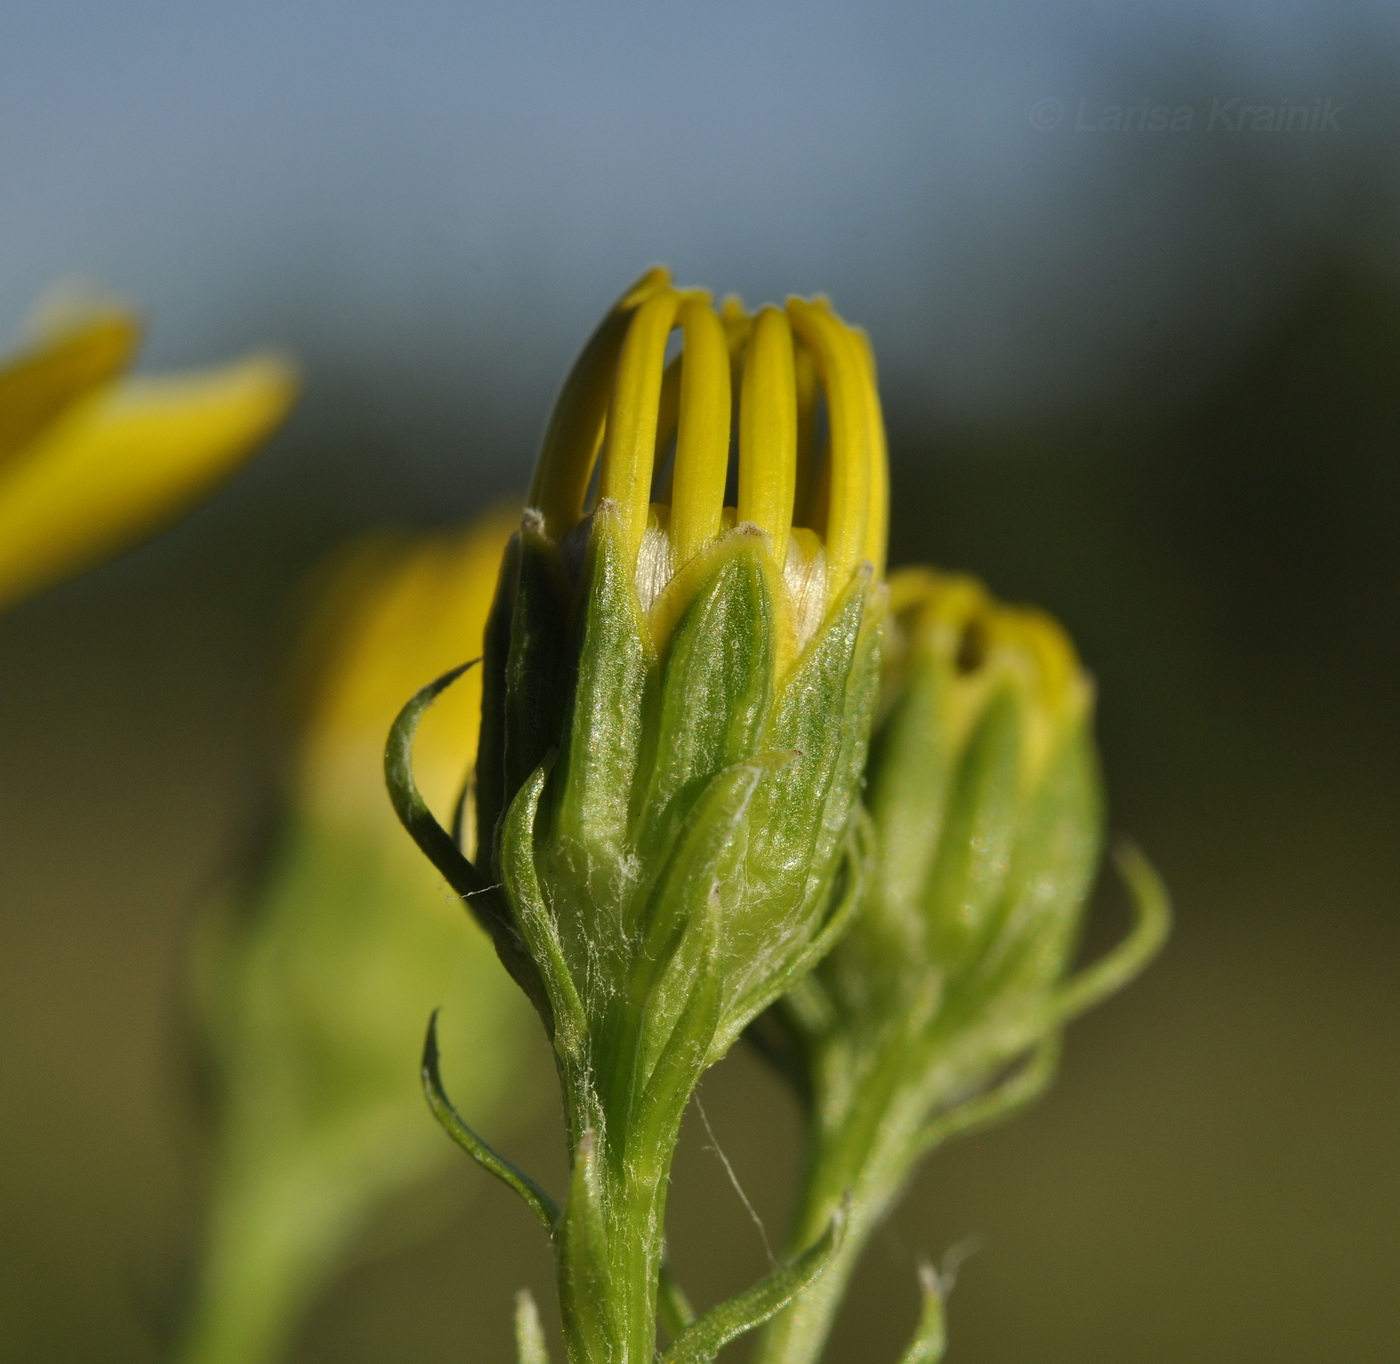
[(441, 849), (701, 1341), (929, 1340), (538, 1201), (1026, 1083), (1112, 972)]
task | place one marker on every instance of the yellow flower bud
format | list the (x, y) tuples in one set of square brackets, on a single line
[(652, 438), (679, 683)]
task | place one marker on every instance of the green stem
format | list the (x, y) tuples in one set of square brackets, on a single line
[(863, 1150), (611, 1241), (260, 1270), (871, 1145), (611, 1250)]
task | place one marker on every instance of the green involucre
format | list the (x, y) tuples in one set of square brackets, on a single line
[(675, 837)]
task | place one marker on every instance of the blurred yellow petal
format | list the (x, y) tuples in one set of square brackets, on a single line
[(120, 462), (406, 615), (37, 385)]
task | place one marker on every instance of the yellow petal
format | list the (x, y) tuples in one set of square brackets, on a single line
[(702, 437), (768, 430), (630, 442), (122, 461), (847, 382), (39, 384), (576, 426)]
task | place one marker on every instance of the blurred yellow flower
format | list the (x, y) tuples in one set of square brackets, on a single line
[(90, 461), (317, 986), (398, 615)]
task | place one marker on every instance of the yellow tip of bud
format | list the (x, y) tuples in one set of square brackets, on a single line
[(630, 427), (987, 647)]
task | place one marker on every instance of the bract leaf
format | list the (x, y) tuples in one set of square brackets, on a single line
[(700, 1342)]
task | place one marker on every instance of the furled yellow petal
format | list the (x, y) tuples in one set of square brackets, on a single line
[(121, 461), (37, 385), (702, 438), (847, 379), (768, 430), (576, 426)]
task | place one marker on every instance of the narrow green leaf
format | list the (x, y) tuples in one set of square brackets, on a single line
[(530, 1347), (692, 910), (822, 716), (563, 1011), (1108, 975), (410, 806), (700, 1342), (1058, 842), (845, 896), (538, 666), (930, 1337), (538, 1201), (705, 851), (688, 1048), (974, 857), (599, 763), (484, 900), (909, 773), (1023, 1086), (716, 686)]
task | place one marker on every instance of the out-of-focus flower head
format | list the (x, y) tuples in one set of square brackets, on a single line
[(90, 461), (942, 1007), (316, 984)]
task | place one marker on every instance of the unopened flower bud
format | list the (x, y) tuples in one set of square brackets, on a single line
[(319, 970), (679, 682), (678, 692), (942, 1006)]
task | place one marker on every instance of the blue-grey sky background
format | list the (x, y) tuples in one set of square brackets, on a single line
[(402, 192)]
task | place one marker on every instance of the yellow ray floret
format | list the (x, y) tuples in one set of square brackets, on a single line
[(88, 464), (986, 647), (822, 511), (36, 387)]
